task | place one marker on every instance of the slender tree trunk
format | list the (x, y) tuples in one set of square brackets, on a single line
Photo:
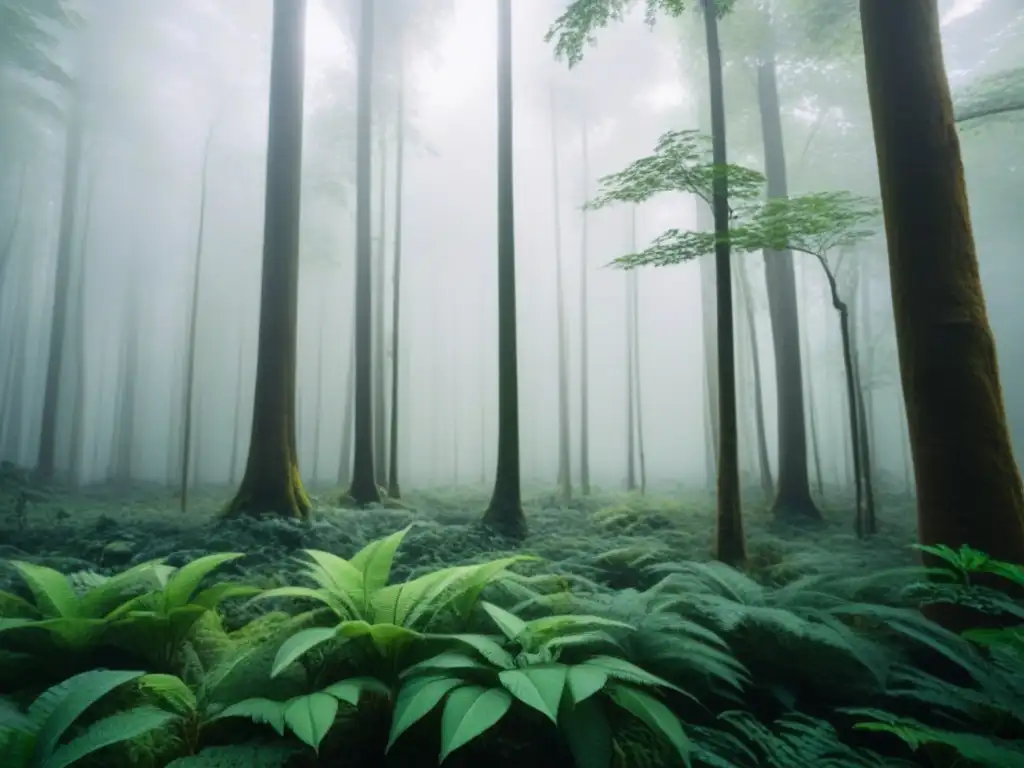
[(7, 249), (271, 482), (46, 459), (763, 463), (564, 450), (124, 463), (793, 500), (870, 525), (709, 312), (237, 419), (348, 418), (505, 511), (394, 490), (635, 362), (193, 324), (630, 371), (14, 402), (584, 326), (319, 397), (364, 489), (380, 403), (77, 441), (812, 417), (730, 542), (968, 483)]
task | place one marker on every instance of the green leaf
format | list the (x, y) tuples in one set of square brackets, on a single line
[(307, 593), (311, 717), (584, 682), (588, 734), (388, 638), (351, 690), (655, 716), (183, 584), (259, 710), (339, 577), (50, 589), (58, 707), (415, 701), (121, 726), (99, 601), (213, 596), (468, 712), (375, 559), (299, 644), (510, 624), (12, 606), (449, 660), (620, 669), (485, 646), (539, 686), (172, 690)]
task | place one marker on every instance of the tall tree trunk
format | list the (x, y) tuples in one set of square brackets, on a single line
[(870, 525), (193, 324), (968, 484), (630, 371), (730, 542), (14, 401), (319, 397), (46, 459), (237, 418), (380, 403), (812, 415), (363, 489), (763, 463), (505, 511), (77, 440), (271, 482), (584, 326), (348, 417), (709, 311), (394, 489), (124, 462), (793, 500), (564, 450), (634, 363)]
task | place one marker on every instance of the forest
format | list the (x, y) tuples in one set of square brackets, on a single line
[(594, 383)]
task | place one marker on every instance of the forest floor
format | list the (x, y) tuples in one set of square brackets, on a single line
[(606, 538)]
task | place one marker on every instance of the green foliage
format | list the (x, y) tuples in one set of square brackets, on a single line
[(1001, 93), (35, 739)]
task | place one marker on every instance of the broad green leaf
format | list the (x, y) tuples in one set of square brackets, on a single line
[(351, 690), (13, 719), (620, 669), (468, 712), (584, 682), (299, 644), (58, 707), (485, 646), (172, 690), (388, 638), (121, 726), (183, 584), (510, 624), (415, 700), (70, 633), (50, 589), (311, 717), (308, 593), (99, 601), (259, 710), (588, 734), (572, 622), (213, 596), (540, 687), (12, 606), (338, 576), (375, 559), (654, 715), (444, 661)]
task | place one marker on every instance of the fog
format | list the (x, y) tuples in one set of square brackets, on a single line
[(161, 79)]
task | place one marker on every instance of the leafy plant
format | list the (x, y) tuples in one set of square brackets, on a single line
[(480, 685), (34, 739)]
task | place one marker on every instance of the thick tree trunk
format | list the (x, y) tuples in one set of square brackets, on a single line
[(584, 325), (730, 542), (271, 482), (968, 484), (193, 325), (394, 489), (793, 500), (363, 489), (564, 450), (380, 403), (505, 511), (46, 459)]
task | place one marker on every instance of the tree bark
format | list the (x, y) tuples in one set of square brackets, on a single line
[(564, 449), (271, 483), (730, 542), (363, 489), (505, 511), (793, 502), (968, 484)]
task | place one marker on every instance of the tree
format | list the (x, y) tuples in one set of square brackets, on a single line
[(968, 484), (394, 490), (271, 482), (505, 511), (584, 321)]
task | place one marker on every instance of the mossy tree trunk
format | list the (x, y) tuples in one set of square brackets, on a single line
[(505, 511), (968, 484), (793, 500), (363, 488), (271, 483), (564, 447), (730, 542)]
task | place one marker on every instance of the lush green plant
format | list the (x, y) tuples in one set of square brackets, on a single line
[(34, 739)]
